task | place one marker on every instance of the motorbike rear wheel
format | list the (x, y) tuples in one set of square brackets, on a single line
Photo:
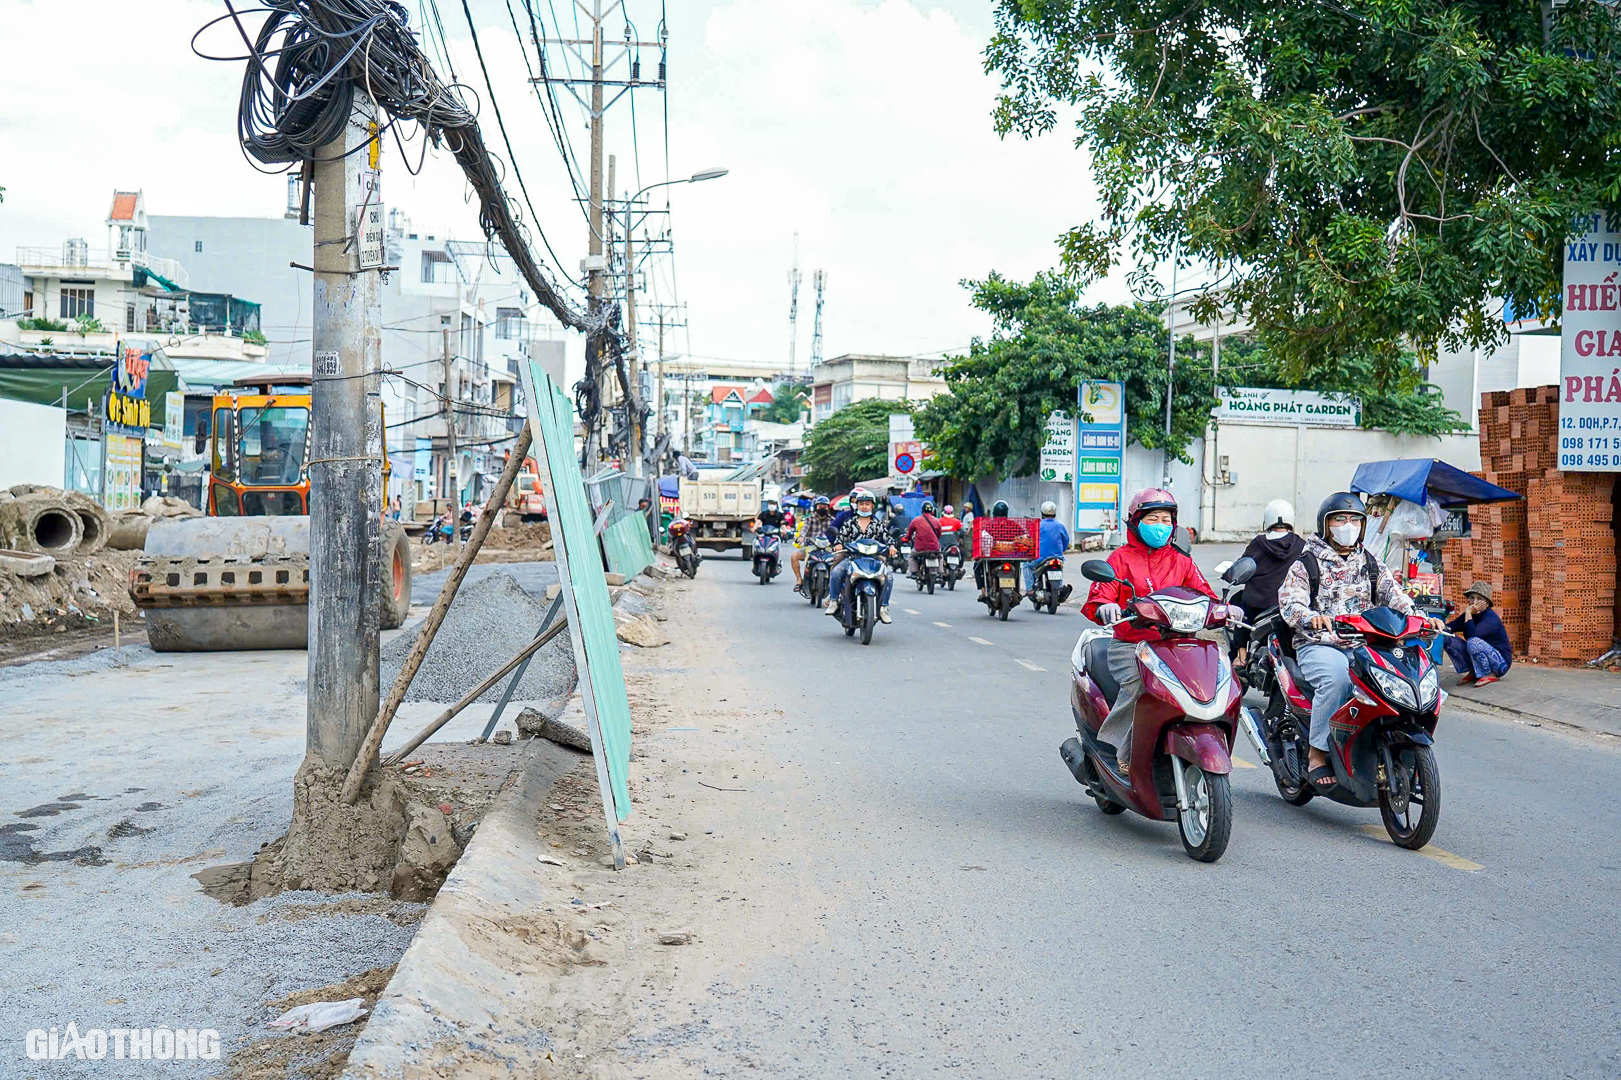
[(951, 581), (869, 615), (1424, 792), (1003, 608), (928, 577), (1052, 601), (1207, 824)]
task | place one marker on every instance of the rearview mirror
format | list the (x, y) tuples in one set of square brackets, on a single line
[(1097, 570), (1241, 571)]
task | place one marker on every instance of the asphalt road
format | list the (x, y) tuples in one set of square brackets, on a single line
[(968, 910)]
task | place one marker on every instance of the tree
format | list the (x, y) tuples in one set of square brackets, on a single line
[(850, 445), (1045, 342), (787, 403), (1364, 175)]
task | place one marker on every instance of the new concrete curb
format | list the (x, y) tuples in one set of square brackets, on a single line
[(444, 991)]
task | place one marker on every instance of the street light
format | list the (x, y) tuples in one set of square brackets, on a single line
[(707, 174)]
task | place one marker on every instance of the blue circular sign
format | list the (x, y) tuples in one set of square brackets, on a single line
[(904, 463)]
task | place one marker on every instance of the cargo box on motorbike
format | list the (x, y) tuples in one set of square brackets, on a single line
[(1006, 538)]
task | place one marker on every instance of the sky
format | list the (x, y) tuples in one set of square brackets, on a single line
[(861, 125)]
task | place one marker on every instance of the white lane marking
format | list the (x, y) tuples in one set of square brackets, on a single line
[(981, 641), (911, 611), (944, 624), (1242, 764), (1029, 665)]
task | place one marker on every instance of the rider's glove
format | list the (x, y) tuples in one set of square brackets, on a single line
[(1109, 613)]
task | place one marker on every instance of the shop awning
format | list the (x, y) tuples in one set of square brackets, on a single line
[(42, 379), (1413, 478)]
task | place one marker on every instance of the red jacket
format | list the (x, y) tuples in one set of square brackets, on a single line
[(1147, 569), (924, 532)]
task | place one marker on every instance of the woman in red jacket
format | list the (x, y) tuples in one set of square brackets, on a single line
[(1148, 562)]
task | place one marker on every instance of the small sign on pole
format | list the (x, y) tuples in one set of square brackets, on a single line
[(1058, 452)]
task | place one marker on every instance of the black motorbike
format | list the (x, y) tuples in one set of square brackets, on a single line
[(1048, 589), (683, 548), (858, 607), (767, 559), (951, 569), (929, 570), (818, 570), (1004, 580)]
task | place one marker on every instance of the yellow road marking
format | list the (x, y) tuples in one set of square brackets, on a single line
[(980, 641), (944, 624), (1429, 851), (1029, 665), (1242, 764)]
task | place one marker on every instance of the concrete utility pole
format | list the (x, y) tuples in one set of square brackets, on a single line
[(346, 452), (596, 264), (633, 360), (451, 470), (607, 377)]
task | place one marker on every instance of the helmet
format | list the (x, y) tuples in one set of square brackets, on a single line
[(999, 508), (822, 500), (1278, 512), (858, 493), (1149, 499), (1341, 502), (928, 506), (1049, 509), (948, 511), (844, 503)]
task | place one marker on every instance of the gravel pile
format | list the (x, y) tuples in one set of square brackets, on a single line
[(489, 621)]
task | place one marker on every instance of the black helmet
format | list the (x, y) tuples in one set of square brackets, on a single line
[(1341, 502), (928, 506), (999, 508)]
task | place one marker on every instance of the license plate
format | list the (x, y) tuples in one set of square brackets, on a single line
[(1007, 583), (1055, 579)]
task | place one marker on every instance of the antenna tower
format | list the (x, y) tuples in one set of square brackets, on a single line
[(819, 280), (793, 308)]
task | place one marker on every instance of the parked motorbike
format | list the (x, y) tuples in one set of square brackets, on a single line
[(1003, 586), (1381, 741), (439, 533), (683, 547), (767, 560), (928, 570), (858, 607), (951, 559), (818, 570), (1048, 589), (1185, 722)]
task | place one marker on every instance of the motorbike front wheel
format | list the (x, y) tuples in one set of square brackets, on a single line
[(1207, 824), (869, 615), (1423, 782)]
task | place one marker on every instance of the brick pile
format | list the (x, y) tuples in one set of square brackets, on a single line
[(1550, 558)]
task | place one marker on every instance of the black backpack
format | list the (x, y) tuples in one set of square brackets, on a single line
[(1314, 577)]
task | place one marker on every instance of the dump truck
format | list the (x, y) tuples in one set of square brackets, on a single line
[(721, 512), (239, 578)]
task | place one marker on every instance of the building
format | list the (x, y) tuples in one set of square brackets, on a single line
[(731, 409), (854, 377)]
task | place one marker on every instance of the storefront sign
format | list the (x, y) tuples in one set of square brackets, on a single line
[(1100, 439), (174, 420), (1058, 451), (127, 414), (1590, 348), (422, 465), (1259, 405), (121, 471)]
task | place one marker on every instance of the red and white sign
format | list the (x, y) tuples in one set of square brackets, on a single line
[(1590, 348), (907, 457)]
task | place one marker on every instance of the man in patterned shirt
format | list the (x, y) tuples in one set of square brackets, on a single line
[(864, 523), (1335, 575)]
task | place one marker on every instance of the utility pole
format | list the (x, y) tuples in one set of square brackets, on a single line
[(455, 499), (346, 451), (596, 263), (606, 376), (664, 322), (633, 359)]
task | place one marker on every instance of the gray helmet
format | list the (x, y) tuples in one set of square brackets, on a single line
[(1049, 509), (1341, 502)]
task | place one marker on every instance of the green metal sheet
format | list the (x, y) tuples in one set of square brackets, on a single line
[(44, 386), (585, 595), (630, 550)]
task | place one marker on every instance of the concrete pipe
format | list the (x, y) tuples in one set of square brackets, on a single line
[(93, 519), (40, 522)]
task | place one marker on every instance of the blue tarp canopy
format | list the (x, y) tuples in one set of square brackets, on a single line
[(670, 487), (1413, 478)]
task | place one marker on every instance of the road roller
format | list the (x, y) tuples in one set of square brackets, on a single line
[(239, 578)]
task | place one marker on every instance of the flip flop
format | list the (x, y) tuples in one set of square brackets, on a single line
[(1316, 777)]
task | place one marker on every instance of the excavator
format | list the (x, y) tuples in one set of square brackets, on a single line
[(239, 578)]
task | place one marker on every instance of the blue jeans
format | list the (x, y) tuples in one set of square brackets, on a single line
[(1474, 656), (841, 574), (1328, 670)]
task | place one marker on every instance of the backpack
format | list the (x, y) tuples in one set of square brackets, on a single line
[(1314, 577)]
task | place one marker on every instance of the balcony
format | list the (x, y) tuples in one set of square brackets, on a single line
[(78, 260)]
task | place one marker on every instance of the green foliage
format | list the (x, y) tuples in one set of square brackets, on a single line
[(54, 325), (788, 403), (850, 445), (88, 324), (255, 337), (1045, 342), (1364, 176)]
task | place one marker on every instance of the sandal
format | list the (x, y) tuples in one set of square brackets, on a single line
[(1316, 777)]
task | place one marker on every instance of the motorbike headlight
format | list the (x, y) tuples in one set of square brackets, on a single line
[(1185, 617), (1395, 688), (1429, 687)]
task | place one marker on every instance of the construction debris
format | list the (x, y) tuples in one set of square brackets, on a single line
[(531, 722)]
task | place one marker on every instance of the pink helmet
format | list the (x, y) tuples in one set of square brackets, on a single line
[(1150, 499)]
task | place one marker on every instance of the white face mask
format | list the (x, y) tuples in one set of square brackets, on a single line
[(1277, 534), (1346, 535)]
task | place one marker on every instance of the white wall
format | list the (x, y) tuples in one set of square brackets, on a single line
[(32, 443), (1305, 465)]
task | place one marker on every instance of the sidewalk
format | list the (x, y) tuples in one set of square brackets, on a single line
[(1575, 697)]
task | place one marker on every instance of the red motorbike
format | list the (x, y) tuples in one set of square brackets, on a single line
[(1183, 729), (1381, 741)]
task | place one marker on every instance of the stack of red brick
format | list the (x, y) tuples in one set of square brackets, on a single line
[(1550, 558)]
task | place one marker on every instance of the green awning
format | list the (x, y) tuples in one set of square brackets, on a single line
[(43, 385)]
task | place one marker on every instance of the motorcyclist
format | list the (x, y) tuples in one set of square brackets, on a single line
[(1335, 575), (949, 522), (1054, 542), (1274, 550), (865, 523), (999, 509), (1148, 563), (770, 513), (810, 525), (924, 533)]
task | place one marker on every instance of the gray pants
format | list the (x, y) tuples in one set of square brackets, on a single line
[(1116, 727), (1329, 671)]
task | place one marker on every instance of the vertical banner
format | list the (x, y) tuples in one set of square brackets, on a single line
[(174, 420), (1590, 348), (584, 589), (422, 460), (1100, 446), (1058, 451)]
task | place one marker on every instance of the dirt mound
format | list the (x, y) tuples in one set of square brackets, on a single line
[(79, 592)]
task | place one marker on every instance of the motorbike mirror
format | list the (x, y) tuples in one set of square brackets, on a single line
[(1097, 570), (1241, 571)]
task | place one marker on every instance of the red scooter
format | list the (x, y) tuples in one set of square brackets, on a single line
[(1381, 741), (1182, 733)]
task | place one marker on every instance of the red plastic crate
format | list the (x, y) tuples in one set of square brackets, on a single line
[(1006, 538)]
